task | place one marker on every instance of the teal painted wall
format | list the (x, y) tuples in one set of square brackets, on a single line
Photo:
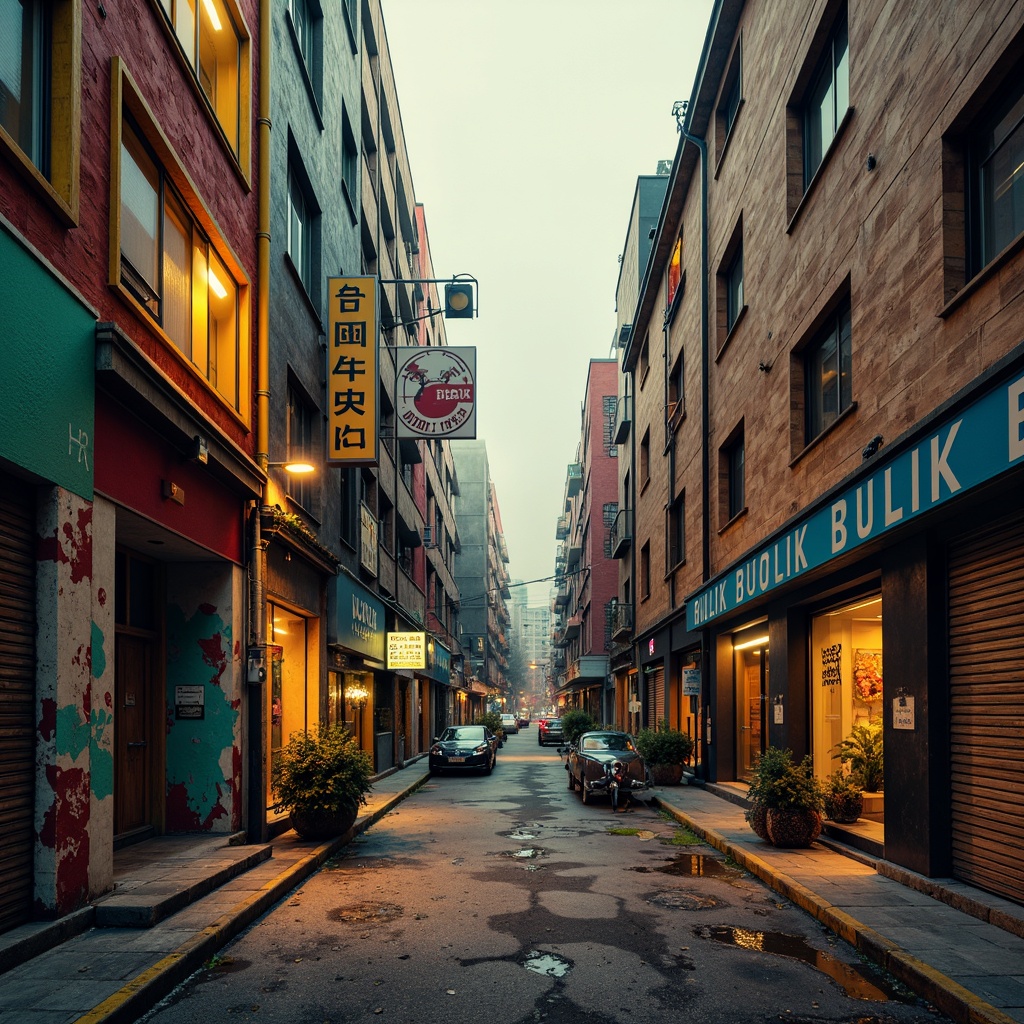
[(47, 339)]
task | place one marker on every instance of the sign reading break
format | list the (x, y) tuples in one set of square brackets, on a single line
[(353, 371), (407, 650)]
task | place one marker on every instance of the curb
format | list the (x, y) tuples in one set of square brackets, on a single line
[(941, 991), (139, 995)]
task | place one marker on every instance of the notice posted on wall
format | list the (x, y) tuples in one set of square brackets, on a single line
[(903, 713), (189, 701)]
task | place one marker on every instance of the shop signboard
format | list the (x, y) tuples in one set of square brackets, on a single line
[(960, 452), (407, 650), (435, 392), (358, 621)]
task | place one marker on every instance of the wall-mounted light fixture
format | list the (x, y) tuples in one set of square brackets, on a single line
[(756, 642), (294, 466), (872, 446), (357, 696)]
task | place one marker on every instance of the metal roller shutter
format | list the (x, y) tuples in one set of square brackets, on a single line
[(17, 699), (986, 670), (656, 695)]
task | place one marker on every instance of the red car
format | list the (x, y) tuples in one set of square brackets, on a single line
[(549, 730)]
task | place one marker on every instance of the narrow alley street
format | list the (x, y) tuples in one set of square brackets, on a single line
[(504, 899)]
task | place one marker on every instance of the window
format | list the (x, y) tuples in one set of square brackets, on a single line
[(828, 374), (306, 19), (827, 100), (645, 571), (349, 161), (675, 271), (303, 226), (218, 57), (40, 79), (644, 361), (995, 178), (302, 444), (730, 292), (609, 407), (173, 266), (676, 403), (730, 101), (677, 532), (645, 460), (732, 476)]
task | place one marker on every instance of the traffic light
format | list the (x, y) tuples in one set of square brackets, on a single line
[(458, 300)]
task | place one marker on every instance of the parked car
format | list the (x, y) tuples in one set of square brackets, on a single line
[(606, 763), (464, 746), (524, 719), (549, 730), (510, 725)]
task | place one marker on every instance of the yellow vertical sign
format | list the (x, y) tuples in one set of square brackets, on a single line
[(353, 371)]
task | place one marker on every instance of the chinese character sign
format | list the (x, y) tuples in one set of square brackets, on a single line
[(352, 371)]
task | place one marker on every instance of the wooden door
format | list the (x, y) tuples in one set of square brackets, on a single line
[(133, 682)]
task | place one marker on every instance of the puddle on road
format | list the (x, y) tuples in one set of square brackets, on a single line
[(695, 865), (520, 837), (363, 912), (529, 853), (857, 981), (547, 964)]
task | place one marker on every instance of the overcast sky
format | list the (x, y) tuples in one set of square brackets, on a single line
[(527, 123)]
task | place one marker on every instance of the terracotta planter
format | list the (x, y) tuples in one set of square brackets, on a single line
[(310, 824), (666, 774), (757, 818), (793, 826)]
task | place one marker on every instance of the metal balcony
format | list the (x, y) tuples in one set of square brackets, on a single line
[(622, 621), (573, 479), (623, 419), (562, 528), (621, 533)]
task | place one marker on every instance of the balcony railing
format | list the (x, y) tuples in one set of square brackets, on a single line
[(573, 479), (622, 532), (562, 528), (623, 418), (622, 620)]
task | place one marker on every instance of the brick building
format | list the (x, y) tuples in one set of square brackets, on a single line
[(827, 355)]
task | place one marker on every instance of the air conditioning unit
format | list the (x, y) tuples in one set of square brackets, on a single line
[(428, 537)]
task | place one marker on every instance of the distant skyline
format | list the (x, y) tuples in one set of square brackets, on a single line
[(527, 125)]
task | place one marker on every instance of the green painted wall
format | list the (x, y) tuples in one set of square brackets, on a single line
[(47, 382)]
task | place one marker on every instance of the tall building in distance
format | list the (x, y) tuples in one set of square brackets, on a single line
[(481, 572)]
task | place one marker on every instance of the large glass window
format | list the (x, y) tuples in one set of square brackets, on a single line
[(827, 101), (170, 266), (750, 673), (846, 679), (828, 374), (213, 48), (996, 178)]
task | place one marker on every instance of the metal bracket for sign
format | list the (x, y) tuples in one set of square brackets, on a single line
[(455, 279)]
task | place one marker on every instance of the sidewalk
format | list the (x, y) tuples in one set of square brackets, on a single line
[(952, 945)]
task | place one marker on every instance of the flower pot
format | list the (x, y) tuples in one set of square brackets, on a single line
[(666, 774), (757, 818), (319, 824), (793, 826), (844, 810)]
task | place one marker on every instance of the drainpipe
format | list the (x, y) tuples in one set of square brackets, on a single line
[(256, 817), (705, 661)]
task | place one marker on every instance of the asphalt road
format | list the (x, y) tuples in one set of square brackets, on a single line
[(503, 899)]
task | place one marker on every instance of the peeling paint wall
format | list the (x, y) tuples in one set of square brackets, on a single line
[(204, 635), (65, 702)]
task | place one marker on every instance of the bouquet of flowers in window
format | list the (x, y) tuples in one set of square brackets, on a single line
[(867, 675)]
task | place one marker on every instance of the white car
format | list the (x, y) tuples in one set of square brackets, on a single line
[(510, 725)]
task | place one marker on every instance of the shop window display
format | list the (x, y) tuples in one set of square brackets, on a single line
[(846, 676)]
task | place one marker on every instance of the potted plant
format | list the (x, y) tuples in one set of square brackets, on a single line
[(665, 751), (862, 751), (575, 724), (321, 778), (789, 796), (844, 799)]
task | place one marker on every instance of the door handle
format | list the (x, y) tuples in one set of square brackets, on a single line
[(137, 743)]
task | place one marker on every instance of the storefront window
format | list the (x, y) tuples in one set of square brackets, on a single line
[(292, 690), (750, 672), (846, 675)]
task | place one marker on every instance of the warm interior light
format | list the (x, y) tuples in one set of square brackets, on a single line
[(759, 642), (211, 13), (216, 287)]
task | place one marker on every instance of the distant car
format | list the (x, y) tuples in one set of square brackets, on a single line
[(510, 725), (464, 746), (606, 763), (524, 720), (549, 730)]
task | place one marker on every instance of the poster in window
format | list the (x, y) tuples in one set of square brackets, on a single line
[(867, 675)]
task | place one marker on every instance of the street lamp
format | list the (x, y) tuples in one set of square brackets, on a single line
[(297, 467)]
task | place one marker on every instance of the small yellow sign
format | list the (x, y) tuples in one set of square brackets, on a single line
[(353, 371), (407, 650)]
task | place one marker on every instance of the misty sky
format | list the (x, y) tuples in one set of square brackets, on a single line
[(527, 123)]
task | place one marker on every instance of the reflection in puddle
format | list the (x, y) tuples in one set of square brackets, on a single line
[(695, 865), (857, 981), (547, 963)]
